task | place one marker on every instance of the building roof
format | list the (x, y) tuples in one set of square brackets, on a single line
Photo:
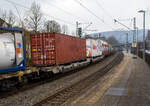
[(4, 23)]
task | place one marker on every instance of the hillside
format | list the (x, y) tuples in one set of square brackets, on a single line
[(120, 35)]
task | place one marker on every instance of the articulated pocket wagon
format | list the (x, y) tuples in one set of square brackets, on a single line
[(51, 53)]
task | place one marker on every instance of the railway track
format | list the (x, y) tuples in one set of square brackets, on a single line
[(65, 93), (36, 83)]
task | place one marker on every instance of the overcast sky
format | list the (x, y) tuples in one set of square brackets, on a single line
[(105, 10)]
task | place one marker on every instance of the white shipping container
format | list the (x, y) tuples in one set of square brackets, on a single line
[(11, 51), (93, 47), (7, 50)]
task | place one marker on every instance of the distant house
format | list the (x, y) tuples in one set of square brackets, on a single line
[(4, 23)]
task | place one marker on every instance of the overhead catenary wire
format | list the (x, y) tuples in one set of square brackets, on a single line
[(119, 22), (20, 5), (21, 22), (63, 10), (101, 20), (62, 19), (122, 24), (89, 10), (108, 14), (12, 2), (129, 19)]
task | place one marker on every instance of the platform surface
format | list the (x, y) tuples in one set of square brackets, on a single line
[(128, 84)]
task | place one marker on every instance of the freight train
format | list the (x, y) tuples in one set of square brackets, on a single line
[(51, 53)]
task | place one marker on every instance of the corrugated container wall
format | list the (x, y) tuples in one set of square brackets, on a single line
[(55, 49)]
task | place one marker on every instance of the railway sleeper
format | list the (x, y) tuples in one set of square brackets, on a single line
[(77, 87)]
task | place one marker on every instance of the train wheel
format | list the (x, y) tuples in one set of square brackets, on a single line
[(7, 85), (45, 75), (23, 82)]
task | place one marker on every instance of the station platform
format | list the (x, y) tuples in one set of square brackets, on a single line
[(127, 84)]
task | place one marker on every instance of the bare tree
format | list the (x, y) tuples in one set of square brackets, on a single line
[(34, 17), (8, 17), (112, 40), (11, 18), (21, 24), (3, 14), (52, 26), (65, 29)]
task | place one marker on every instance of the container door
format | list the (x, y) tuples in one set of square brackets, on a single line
[(99, 47), (49, 49), (19, 48), (88, 48), (37, 50), (94, 48)]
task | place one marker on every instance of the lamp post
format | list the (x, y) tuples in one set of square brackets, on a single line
[(137, 33), (127, 42), (142, 11)]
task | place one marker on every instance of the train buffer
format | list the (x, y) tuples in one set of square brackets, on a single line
[(125, 85)]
